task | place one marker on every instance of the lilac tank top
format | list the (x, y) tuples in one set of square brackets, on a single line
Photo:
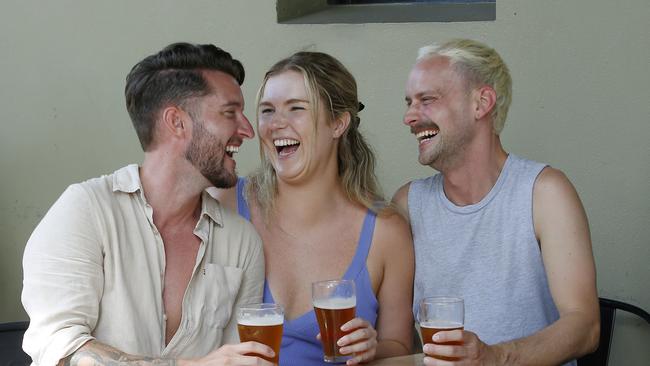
[(299, 344)]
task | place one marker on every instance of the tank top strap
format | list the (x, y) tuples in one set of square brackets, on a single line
[(267, 297), (363, 247), (242, 205)]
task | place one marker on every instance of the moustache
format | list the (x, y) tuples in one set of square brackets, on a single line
[(424, 125)]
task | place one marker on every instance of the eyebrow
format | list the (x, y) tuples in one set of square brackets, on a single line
[(425, 92), (429, 91), (231, 104), (297, 100), (293, 100)]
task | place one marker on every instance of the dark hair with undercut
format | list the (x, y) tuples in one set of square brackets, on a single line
[(172, 76)]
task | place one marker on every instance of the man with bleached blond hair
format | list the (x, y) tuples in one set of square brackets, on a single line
[(508, 235)]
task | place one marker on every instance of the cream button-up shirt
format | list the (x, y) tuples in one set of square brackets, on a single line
[(94, 269)]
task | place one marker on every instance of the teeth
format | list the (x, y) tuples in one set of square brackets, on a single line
[(425, 134), (232, 149), (285, 142)]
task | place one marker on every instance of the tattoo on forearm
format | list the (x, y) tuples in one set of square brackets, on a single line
[(98, 354)]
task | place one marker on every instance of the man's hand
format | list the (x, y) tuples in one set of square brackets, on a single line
[(96, 353), (235, 355), (458, 347)]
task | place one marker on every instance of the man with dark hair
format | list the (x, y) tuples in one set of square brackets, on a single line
[(143, 266)]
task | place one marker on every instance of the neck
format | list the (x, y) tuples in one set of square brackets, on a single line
[(172, 189), (309, 202), (474, 174)]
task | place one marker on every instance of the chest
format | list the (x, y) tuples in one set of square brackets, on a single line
[(294, 262), (181, 248)]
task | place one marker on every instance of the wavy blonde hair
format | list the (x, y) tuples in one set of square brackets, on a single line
[(479, 65), (331, 86)]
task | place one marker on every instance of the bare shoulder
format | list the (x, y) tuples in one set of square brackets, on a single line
[(551, 181), (553, 191), (556, 205), (392, 234), (400, 200)]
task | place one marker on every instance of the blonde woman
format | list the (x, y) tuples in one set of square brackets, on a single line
[(316, 204)]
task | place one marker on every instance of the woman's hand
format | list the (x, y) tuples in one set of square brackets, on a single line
[(362, 342)]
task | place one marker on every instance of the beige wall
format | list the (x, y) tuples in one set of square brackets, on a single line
[(581, 103)]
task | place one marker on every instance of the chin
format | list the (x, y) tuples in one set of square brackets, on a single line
[(425, 160), (286, 171), (223, 180)]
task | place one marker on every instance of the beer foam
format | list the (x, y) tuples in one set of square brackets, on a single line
[(441, 324), (336, 303), (262, 320)]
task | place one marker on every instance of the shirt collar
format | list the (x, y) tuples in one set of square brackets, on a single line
[(211, 207), (127, 180)]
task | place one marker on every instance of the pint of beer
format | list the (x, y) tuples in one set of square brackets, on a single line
[(334, 304), (440, 314), (262, 323)]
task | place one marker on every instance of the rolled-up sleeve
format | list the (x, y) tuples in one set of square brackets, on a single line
[(63, 278)]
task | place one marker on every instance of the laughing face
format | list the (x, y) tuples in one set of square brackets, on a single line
[(218, 129), (438, 111), (293, 142)]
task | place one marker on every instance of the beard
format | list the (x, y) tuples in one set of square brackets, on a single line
[(206, 154)]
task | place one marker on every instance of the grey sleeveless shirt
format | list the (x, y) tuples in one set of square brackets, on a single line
[(486, 253)]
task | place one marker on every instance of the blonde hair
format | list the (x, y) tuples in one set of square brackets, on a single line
[(478, 64), (329, 85)]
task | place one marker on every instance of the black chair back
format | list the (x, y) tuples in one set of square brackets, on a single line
[(608, 310), (11, 344)]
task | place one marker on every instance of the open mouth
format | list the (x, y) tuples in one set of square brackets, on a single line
[(286, 147), (426, 135), (231, 150)]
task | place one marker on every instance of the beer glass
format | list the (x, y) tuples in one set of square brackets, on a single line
[(440, 314), (261, 323), (335, 304)]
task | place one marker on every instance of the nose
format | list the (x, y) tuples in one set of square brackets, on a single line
[(411, 116), (245, 129), (273, 121), (278, 120)]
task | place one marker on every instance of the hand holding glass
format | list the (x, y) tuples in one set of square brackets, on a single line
[(261, 323), (441, 314), (334, 304)]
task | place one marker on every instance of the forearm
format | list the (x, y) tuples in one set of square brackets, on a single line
[(572, 336), (94, 353), (391, 348)]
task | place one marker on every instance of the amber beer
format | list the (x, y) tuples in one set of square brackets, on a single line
[(334, 304), (261, 323), (331, 315), (441, 314), (428, 329)]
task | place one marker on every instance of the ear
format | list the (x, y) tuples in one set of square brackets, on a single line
[(486, 99), (174, 121), (341, 124)]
